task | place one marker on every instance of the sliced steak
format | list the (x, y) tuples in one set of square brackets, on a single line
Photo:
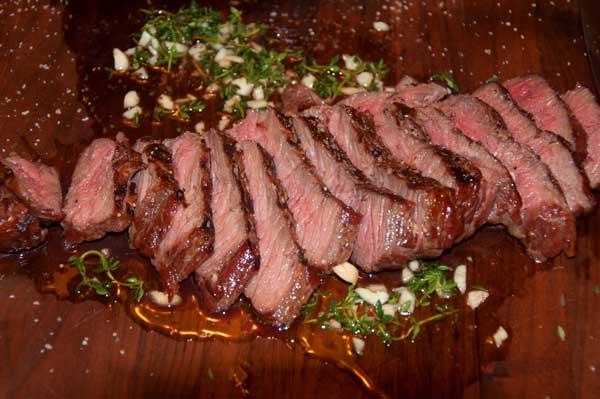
[(101, 194), (414, 95), (37, 185), (223, 276), (501, 203), (549, 147), (437, 224), (283, 282), (408, 143), (19, 228), (547, 221), (585, 109), (535, 96), (187, 239), (158, 200), (296, 98), (385, 235), (326, 228)]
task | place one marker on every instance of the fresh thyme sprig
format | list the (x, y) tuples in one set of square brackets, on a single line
[(352, 314), (447, 78), (106, 266)]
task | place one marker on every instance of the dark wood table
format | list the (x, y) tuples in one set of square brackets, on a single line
[(51, 348)]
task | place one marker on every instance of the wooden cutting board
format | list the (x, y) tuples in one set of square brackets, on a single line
[(51, 348)]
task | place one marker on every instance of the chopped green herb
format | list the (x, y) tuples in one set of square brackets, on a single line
[(561, 332), (479, 287), (136, 118), (596, 289), (447, 78), (189, 107), (493, 79), (106, 266), (355, 316)]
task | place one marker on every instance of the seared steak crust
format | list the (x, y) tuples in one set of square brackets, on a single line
[(19, 228)]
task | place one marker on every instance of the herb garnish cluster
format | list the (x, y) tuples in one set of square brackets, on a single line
[(231, 62)]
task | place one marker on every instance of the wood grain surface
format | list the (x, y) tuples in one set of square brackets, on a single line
[(51, 348)]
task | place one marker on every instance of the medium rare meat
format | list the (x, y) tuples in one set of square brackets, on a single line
[(325, 227), (549, 147), (535, 96), (547, 221), (184, 238), (37, 185), (283, 282), (408, 143), (437, 224), (224, 275), (100, 197), (584, 107), (414, 95), (385, 236), (296, 98), (19, 228), (501, 203)]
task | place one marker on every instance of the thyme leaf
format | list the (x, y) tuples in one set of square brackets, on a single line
[(105, 266), (446, 78)]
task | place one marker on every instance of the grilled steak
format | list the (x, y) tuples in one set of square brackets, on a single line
[(296, 98), (585, 109), (437, 224), (408, 143), (414, 95), (547, 221), (19, 228), (385, 237), (223, 276), (100, 197), (325, 227), (185, 240), (283, 282), (549, 147), (535, 96), (37, 185)]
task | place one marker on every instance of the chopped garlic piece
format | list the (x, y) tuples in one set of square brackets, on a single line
[(336, 325), (309, 80), (131, 99), (141, 73), (232, 102), (407, 301), (244, 87), (407, 274), (132, 112), (359, 345), (414, 265), (389, 309), (162, 298), (258, 93), (460, 278), (364, 78), (121, 60), (350, 62), (381, 26), (257, 104), (500, 336), (145, 39), (199, 127), (476, 298), (351, 90), (347, 272), (166, 102), (180, 48), (196, 51), (223, 123), (373, 294)]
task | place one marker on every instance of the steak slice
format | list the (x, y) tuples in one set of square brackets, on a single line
[(414, 95), (296, 98), (283, 282), (325, 227), (547, 221), (549, 147), (19, 228), (408, 143), (187, 239), (223, 276), (437, 224), (385, 236), (535, 96), (101, 195), (37, 185), (585, 109)]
